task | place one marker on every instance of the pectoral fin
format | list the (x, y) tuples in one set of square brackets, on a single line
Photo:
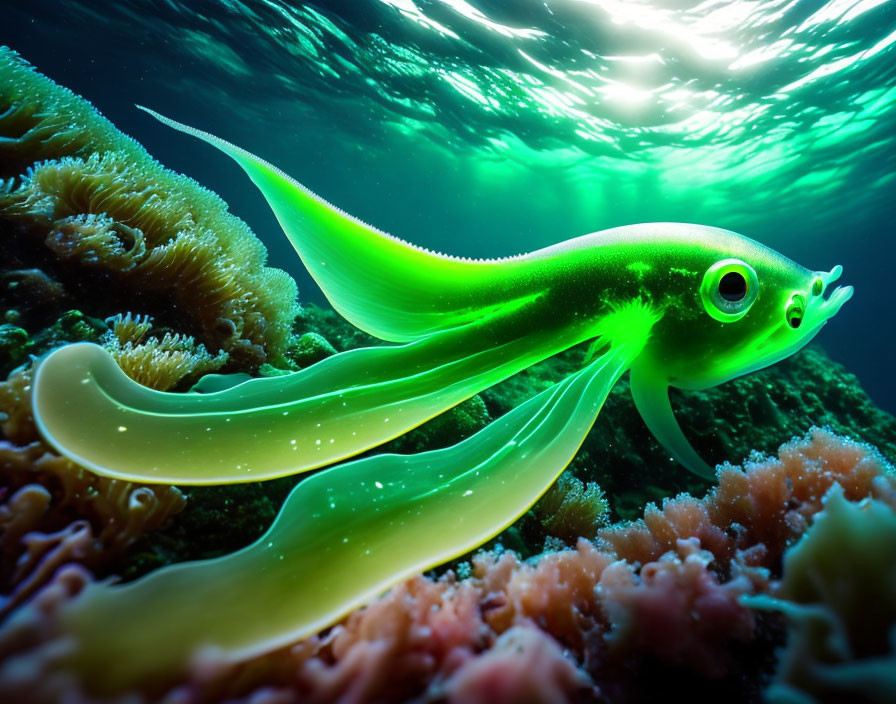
[(651, 395)]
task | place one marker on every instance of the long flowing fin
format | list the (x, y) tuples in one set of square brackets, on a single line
[(342, 537), (92, 413), (651, 395), (381, 284)]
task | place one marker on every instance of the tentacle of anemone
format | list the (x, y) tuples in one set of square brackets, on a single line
[(92, 413), (342, 537), (383, 285)]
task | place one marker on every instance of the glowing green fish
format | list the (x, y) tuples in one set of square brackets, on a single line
[(680, 305)]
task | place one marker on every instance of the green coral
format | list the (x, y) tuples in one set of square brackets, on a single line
[(87, 207), (838, 593), (309, 348), (571, 509), (13, 340), (17, 345)]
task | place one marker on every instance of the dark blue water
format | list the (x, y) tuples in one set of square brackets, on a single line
[(486, 128)]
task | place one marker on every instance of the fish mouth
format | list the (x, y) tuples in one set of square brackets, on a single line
[(830, 301)]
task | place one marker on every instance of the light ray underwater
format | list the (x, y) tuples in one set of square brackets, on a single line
[(682, 305)]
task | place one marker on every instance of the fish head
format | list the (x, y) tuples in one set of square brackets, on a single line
[(743, 307)]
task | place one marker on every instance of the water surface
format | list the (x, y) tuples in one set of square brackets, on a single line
[(487, 127)]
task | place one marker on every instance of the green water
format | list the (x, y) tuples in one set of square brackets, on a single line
[(484, 128)]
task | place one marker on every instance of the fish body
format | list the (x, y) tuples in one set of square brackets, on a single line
[(676, 304)]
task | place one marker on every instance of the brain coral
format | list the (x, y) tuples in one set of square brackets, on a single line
[(90, 207)]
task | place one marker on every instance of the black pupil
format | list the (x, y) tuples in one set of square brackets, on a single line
[(733, 286)]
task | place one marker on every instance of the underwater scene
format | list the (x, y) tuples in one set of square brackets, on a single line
[(466, 351)]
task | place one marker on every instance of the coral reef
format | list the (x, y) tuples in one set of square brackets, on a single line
[(16, 418), (693, 590), (639, 613), (53, 512), (84, 207), (84, 210)]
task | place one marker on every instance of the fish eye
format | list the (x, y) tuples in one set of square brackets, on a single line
[(796, 308), (733, 286), (729, 288)]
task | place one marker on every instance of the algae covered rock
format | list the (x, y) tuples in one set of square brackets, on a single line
[(12, 345), (309, 348)]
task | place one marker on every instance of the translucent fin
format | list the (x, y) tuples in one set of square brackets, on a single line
[(343, 536), (651, 395), (381, 284), (215, 383), (90, 411)]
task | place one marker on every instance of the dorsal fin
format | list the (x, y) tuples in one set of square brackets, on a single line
[(389, 288)]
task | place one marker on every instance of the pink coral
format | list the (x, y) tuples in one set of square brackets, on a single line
[(644, 611), (556, 593), (524, 666), (54, 513), (768, 502), (677, 610)]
